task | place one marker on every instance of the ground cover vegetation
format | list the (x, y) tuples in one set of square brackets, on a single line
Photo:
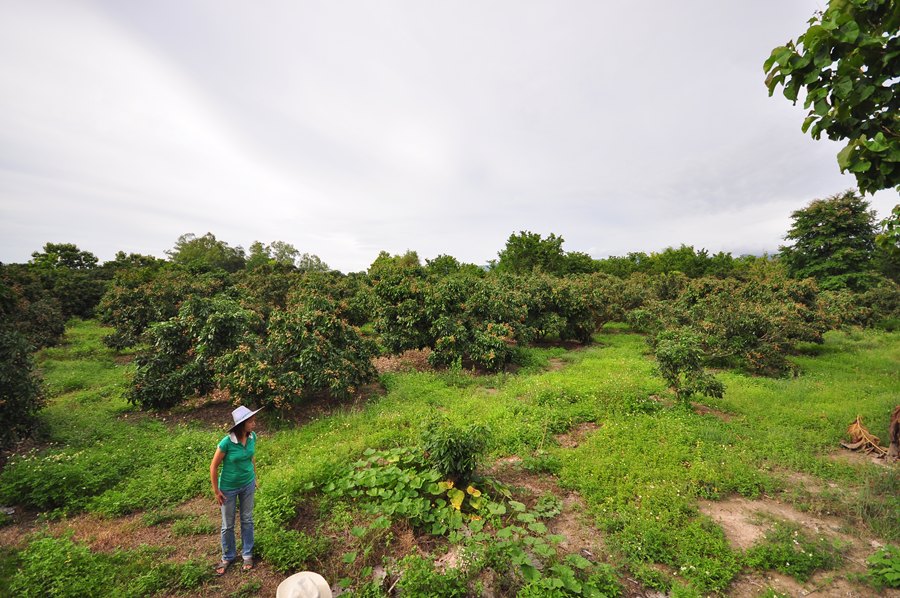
[(408, 470), (351, 493)]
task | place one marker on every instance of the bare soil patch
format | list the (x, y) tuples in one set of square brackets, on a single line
[(555, 364), (745, 522), (576, 435), (857, 457), (701, 409)]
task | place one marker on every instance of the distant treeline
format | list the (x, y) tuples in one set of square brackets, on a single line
[(272, 325)]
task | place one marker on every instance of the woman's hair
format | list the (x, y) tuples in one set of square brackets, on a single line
[(239, 429)]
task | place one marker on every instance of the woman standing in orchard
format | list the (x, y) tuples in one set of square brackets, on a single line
[(235, 486)]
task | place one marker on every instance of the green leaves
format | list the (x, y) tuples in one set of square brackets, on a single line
[(844, 156), (779, 55), (884, 566), (848, 32), (878, 144), (849, 70)]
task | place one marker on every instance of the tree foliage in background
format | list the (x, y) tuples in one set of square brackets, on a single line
[(306, 349), (446, 265), (888, 244), (29, 307), (527, 252), (752, 324), (684, 259), (180, 360), (72, 276), (833, 242), (21, 394), (206, 253), (283, 254), (139, 297), (63, 255), (848, 62)]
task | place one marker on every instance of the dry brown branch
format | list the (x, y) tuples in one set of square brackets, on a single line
[(862, 439)]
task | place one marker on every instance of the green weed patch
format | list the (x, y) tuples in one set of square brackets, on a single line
[(59, 567), (788, 550), (356, 475)]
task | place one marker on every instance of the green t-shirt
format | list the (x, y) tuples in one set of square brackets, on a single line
[(237, 466)]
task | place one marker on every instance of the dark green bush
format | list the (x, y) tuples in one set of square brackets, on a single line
[(679, 359), (29, 307), (474, 319), (400, 316), (454, 451), (71, 276), (884, 567), (21, 394), (181, 358), (307, 349), (140, 297)]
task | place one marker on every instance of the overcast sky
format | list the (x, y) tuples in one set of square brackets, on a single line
[(350, 127)]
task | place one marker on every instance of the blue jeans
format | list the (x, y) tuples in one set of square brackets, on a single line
[(244, 496)]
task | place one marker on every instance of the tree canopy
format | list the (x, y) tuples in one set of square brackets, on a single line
[(63, 255), (526, 252), (833, 242), (206, 253), (848, 62)]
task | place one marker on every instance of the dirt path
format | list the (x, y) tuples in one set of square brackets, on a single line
[(745, 521)]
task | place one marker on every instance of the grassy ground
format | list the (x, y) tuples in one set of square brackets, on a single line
[(639, 471)]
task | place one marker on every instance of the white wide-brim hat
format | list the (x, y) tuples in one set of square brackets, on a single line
[(305, 584), (242, 414)]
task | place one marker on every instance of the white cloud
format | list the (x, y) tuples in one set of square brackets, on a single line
[(346, 128)]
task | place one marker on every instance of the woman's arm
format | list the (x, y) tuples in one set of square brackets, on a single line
[(255, 476), (214, 475)]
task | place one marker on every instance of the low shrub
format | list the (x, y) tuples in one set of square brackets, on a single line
[(289, 549), (454, 451), (679, 359), (787, 550), (884, 567), (420, 578)]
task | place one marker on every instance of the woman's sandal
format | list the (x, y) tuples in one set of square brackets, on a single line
[(248, 565), (222, 567)]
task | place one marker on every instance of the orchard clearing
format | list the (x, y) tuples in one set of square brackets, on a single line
[(606, 482)]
